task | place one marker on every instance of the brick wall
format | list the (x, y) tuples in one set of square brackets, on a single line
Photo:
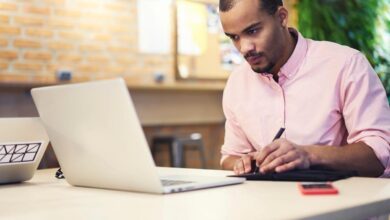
[(93, 38)]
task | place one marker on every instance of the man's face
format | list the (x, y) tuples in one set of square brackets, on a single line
[(255, 33)]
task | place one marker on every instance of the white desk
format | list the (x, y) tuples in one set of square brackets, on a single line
[(45, 197)]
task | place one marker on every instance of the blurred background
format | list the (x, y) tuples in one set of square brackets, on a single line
[(172, 54)]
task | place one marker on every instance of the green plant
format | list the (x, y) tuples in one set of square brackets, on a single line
[(360, 24)]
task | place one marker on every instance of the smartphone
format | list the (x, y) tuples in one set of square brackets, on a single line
[(317, 188)]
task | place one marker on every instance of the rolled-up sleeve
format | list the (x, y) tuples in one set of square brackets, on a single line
[(366, 109)]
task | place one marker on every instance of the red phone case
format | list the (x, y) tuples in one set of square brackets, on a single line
[(317, 188)]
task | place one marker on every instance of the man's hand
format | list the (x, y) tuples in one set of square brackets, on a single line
[(281, 155), (243, 165)]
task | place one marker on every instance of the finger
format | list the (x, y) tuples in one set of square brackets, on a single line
[(288, 166), (239, 166), (278, 161), (264, 152), (274, 155), (235, 170), (247, 163)]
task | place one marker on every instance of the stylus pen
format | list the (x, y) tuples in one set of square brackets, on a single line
[(277, 136)]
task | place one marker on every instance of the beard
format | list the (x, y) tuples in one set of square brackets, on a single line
[(267, 69)]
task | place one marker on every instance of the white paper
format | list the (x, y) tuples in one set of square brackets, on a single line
[(192, 27), (154, 26)]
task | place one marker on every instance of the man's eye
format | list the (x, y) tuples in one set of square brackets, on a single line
[(234, 37), (252, 31)]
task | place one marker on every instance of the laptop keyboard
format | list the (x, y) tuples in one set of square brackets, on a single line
[(174, 182)]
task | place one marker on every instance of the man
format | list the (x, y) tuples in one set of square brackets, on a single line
[(327, 97)]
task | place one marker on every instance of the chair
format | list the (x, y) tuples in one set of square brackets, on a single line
[(177, 145)]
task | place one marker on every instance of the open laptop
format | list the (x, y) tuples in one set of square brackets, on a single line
[(99, 142), (23, 142)]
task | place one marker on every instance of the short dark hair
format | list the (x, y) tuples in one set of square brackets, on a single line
[(270, 6)]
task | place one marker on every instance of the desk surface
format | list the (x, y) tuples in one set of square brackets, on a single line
[(45, 197)]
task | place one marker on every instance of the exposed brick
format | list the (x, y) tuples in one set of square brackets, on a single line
[(37, 10), (126, 60), (8, 54), (54, 2), (88, 4), (60, 46), (85, 68), (73, 13), (151, 69), (91, 26), (38, 56), (81, 78), (117, 7), (27, 66), (127, 19), (69, 58), (45, 78), (65, 34), (138, 70), (9, 30), (60, 23), (14, 77), (28, 20), (123, 29), (153, 61), (118, 49), (3, 65), (91, 47), (102, 37), (132, 11), (4, 19), (97, 16), (26, 43), (127, 39), (70, 35), (114, 69), (51, 68), (98, 59), (39, 32), (3, 42), (8, 6)]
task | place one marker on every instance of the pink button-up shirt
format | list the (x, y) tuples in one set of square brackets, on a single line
[(327, 94)]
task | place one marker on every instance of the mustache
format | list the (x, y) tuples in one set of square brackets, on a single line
[(253, 54)]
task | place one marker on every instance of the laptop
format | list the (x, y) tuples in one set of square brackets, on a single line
[(23, 142), (99, 142)]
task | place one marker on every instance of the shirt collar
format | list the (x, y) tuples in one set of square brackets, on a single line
[(289, 69)]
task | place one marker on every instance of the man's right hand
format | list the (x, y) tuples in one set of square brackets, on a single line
[(243, 164)]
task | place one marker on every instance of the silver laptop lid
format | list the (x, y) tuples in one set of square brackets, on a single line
[(96, 135), (23, 142)]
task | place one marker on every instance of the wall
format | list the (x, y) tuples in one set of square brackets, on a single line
[(93, 38)]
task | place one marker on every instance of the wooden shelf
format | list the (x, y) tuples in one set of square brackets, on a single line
[(38, 81), (199, 86)]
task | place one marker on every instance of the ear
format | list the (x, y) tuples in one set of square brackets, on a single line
[(282, 15)]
